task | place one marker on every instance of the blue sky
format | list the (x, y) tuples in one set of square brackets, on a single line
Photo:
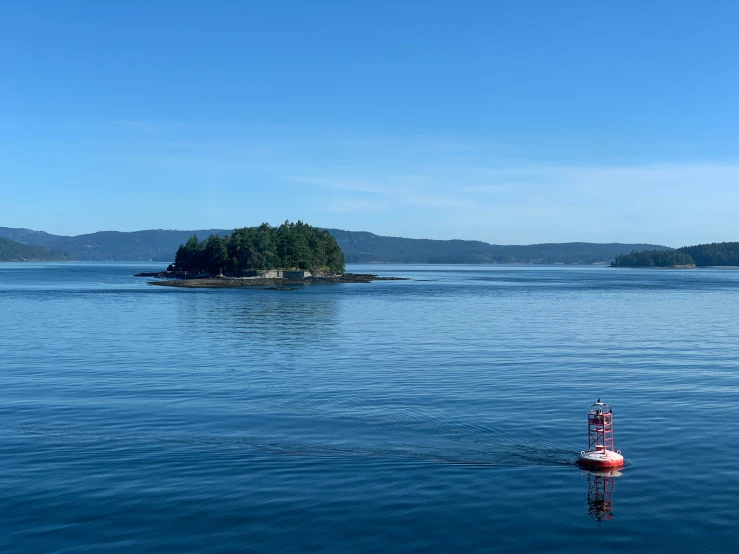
[(509, 122)]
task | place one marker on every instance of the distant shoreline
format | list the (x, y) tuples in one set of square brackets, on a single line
[(359, 247), (37, 261), (678, 266)]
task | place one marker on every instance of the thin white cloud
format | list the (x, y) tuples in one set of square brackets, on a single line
[(466, 184), (672, 204), (342, 205), (343, 184), (482, 189), (392, 194)]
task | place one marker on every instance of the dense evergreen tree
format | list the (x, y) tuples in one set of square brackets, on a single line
[(289, 246), (188, 255), (214, 255)]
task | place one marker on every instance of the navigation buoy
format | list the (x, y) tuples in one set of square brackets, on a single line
[(600, 451)]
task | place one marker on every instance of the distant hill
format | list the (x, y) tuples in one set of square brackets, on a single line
[(358, 247), (12, 251), (27, 236), (362, 247), (138, 246)]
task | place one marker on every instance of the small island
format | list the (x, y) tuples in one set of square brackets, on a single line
[(293, 253)]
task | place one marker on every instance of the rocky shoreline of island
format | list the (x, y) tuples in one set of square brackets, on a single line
[(218, 282)]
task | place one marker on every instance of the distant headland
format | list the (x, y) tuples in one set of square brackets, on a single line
[(687, 257), (12, 251)]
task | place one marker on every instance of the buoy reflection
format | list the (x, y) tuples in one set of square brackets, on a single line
[(600, 494)]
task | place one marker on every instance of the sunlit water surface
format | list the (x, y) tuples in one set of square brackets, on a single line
[(442, 413)]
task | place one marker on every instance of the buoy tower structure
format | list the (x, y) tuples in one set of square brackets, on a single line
[(600, 452)]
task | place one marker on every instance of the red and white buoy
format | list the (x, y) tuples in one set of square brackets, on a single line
[(600, 453)]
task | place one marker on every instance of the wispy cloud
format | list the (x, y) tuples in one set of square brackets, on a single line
[(391, 194), (353, 185), (482, 189), (424, 182), (339, 205)]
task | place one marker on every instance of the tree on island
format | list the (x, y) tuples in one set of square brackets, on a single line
[(289, 246)]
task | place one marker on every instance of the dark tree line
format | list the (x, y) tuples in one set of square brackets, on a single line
[(717, 253), (289, 246), (702, 255), (653, 258)]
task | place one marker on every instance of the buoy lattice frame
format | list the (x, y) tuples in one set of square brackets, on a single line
[(600, 427)]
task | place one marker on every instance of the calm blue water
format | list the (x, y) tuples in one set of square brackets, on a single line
[(438, 414)]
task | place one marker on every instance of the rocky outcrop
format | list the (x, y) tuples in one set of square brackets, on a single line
[(237, 282)]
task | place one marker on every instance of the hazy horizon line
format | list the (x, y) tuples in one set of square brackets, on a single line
[(645, 243)]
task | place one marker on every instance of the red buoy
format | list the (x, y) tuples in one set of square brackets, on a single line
[(600, 451)]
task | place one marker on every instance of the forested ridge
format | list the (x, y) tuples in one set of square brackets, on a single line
[(358, 247), (12, 251), (289, 246), (363, 247)]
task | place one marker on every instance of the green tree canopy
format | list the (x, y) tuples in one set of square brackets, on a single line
[(289, 246)]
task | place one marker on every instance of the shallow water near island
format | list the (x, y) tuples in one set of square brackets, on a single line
[(443, 413)]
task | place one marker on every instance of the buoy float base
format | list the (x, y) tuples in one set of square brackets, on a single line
[(601, 458)]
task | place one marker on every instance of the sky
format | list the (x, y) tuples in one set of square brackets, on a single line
[(510, 122)]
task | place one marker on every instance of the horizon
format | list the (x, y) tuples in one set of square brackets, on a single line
[(498, 123), (192, 230)]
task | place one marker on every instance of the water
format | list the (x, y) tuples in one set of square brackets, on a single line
[(438, 414)]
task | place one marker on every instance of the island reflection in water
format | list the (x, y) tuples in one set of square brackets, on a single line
[(600, 493)]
